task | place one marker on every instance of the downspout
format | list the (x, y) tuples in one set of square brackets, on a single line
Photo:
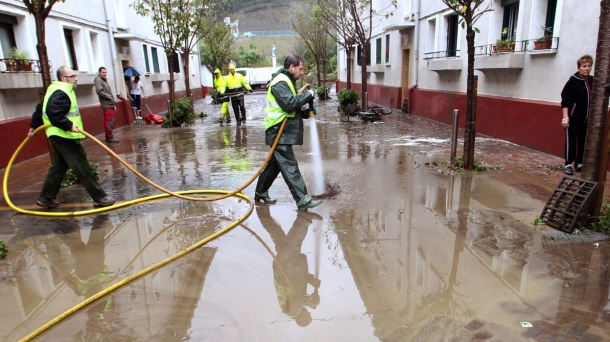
[(415, 57), (118, 78), (416, 45)]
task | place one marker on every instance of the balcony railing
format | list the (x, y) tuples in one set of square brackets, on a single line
[(519, 46), (441, 54), (26, 65)]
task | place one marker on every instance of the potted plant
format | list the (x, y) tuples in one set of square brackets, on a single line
[(21, 59), (546, 42), (504, 45)]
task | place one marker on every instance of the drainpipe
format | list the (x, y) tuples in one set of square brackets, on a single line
[(416, 45), (118, 77)]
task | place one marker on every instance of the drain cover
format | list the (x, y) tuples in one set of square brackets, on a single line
[(566, 208)]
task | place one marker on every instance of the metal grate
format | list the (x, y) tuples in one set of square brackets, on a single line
[(566, 208)]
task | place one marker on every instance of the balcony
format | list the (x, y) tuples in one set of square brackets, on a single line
[(159, 77), (449, 60), (20, 74)]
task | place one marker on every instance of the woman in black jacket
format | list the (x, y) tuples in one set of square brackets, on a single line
[(575, 104)]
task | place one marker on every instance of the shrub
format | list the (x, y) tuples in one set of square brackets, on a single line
[(70, 177), (323, 92), (182, 113), (3, 250), (347, 96)]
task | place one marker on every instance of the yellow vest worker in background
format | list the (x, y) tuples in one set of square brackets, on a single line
[(237, 83), (221, 86)]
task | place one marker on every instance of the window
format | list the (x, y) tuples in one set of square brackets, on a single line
[(387, 48), (378, 51), (71, 53), (511, 14), (176, 62), (431, 35), (452, 35), (7, 38), (145, 56), (550, 14), (368, 55), (155, 58)]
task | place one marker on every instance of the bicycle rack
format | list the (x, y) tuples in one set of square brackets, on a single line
[(567, 207)]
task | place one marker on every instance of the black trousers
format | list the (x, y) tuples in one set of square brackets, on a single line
[(575, 143), (238, 107), (283, 162), (70, 153)]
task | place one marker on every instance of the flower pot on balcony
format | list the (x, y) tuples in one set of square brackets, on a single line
[(504, 48), (543, 44), (23, 65)]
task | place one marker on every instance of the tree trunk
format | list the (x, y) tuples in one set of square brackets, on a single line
[(349, 68), (364, 78), (470, 125), (170, 58), (595, 162), (318, 69), (41, 47), (187, 78)]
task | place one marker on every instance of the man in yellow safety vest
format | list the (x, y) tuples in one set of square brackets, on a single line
[(221, 86), (284, 102), (237, 83), (60, 109)]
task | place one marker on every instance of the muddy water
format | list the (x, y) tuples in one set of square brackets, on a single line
[(400, 249)]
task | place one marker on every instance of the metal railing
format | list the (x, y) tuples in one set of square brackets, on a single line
[(13, 65), (518, 46), (442, 54), (278, 33)]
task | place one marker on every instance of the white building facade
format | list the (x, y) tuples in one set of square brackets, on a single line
[(419, 54), (84, 35)]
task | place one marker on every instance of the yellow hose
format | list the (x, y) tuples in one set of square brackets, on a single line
[(167, 193)]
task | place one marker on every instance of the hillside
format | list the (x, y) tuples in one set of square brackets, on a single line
[(264, 15)]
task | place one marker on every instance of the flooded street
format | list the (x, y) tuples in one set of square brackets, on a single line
[(401, 249)]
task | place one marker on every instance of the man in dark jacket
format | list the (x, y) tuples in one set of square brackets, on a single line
[(284, 102), (60, 109), (104, 93), (575, 104)]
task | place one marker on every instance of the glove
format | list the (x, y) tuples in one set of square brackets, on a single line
[(251, 90), (311, 92)]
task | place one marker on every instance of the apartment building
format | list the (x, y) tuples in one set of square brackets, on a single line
[(83, 35), (419, 54)]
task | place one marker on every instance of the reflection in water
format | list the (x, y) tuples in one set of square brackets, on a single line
[(439, 271), (290, 269), (86, 255)]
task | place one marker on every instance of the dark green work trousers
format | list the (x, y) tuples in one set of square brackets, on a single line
[(283, 162), (70, 153)]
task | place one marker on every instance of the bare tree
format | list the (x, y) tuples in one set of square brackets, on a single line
[(220, 42), (356, 19), (469, 11), (336, 23), (314, 37), (597, 146), (166, 17), (197, 18), (40, 9)]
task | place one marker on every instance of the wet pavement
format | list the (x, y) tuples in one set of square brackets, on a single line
[(401, 249)]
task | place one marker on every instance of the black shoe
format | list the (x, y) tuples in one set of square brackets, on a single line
[(112, 140), (579, 168), (311, 204), (228, 122), (47, 202), (104, 201), (265, 198), (238, 123), (243, 121), (568, 170)]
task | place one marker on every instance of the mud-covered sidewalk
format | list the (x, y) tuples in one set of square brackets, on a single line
[(402, 249)]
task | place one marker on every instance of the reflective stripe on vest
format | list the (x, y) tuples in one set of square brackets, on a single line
[(72, 115), (275, 114)]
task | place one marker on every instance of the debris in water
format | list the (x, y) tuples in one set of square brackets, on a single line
[(526, 324)]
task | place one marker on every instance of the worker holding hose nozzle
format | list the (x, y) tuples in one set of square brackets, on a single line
[(284, 102), (60, 109)]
